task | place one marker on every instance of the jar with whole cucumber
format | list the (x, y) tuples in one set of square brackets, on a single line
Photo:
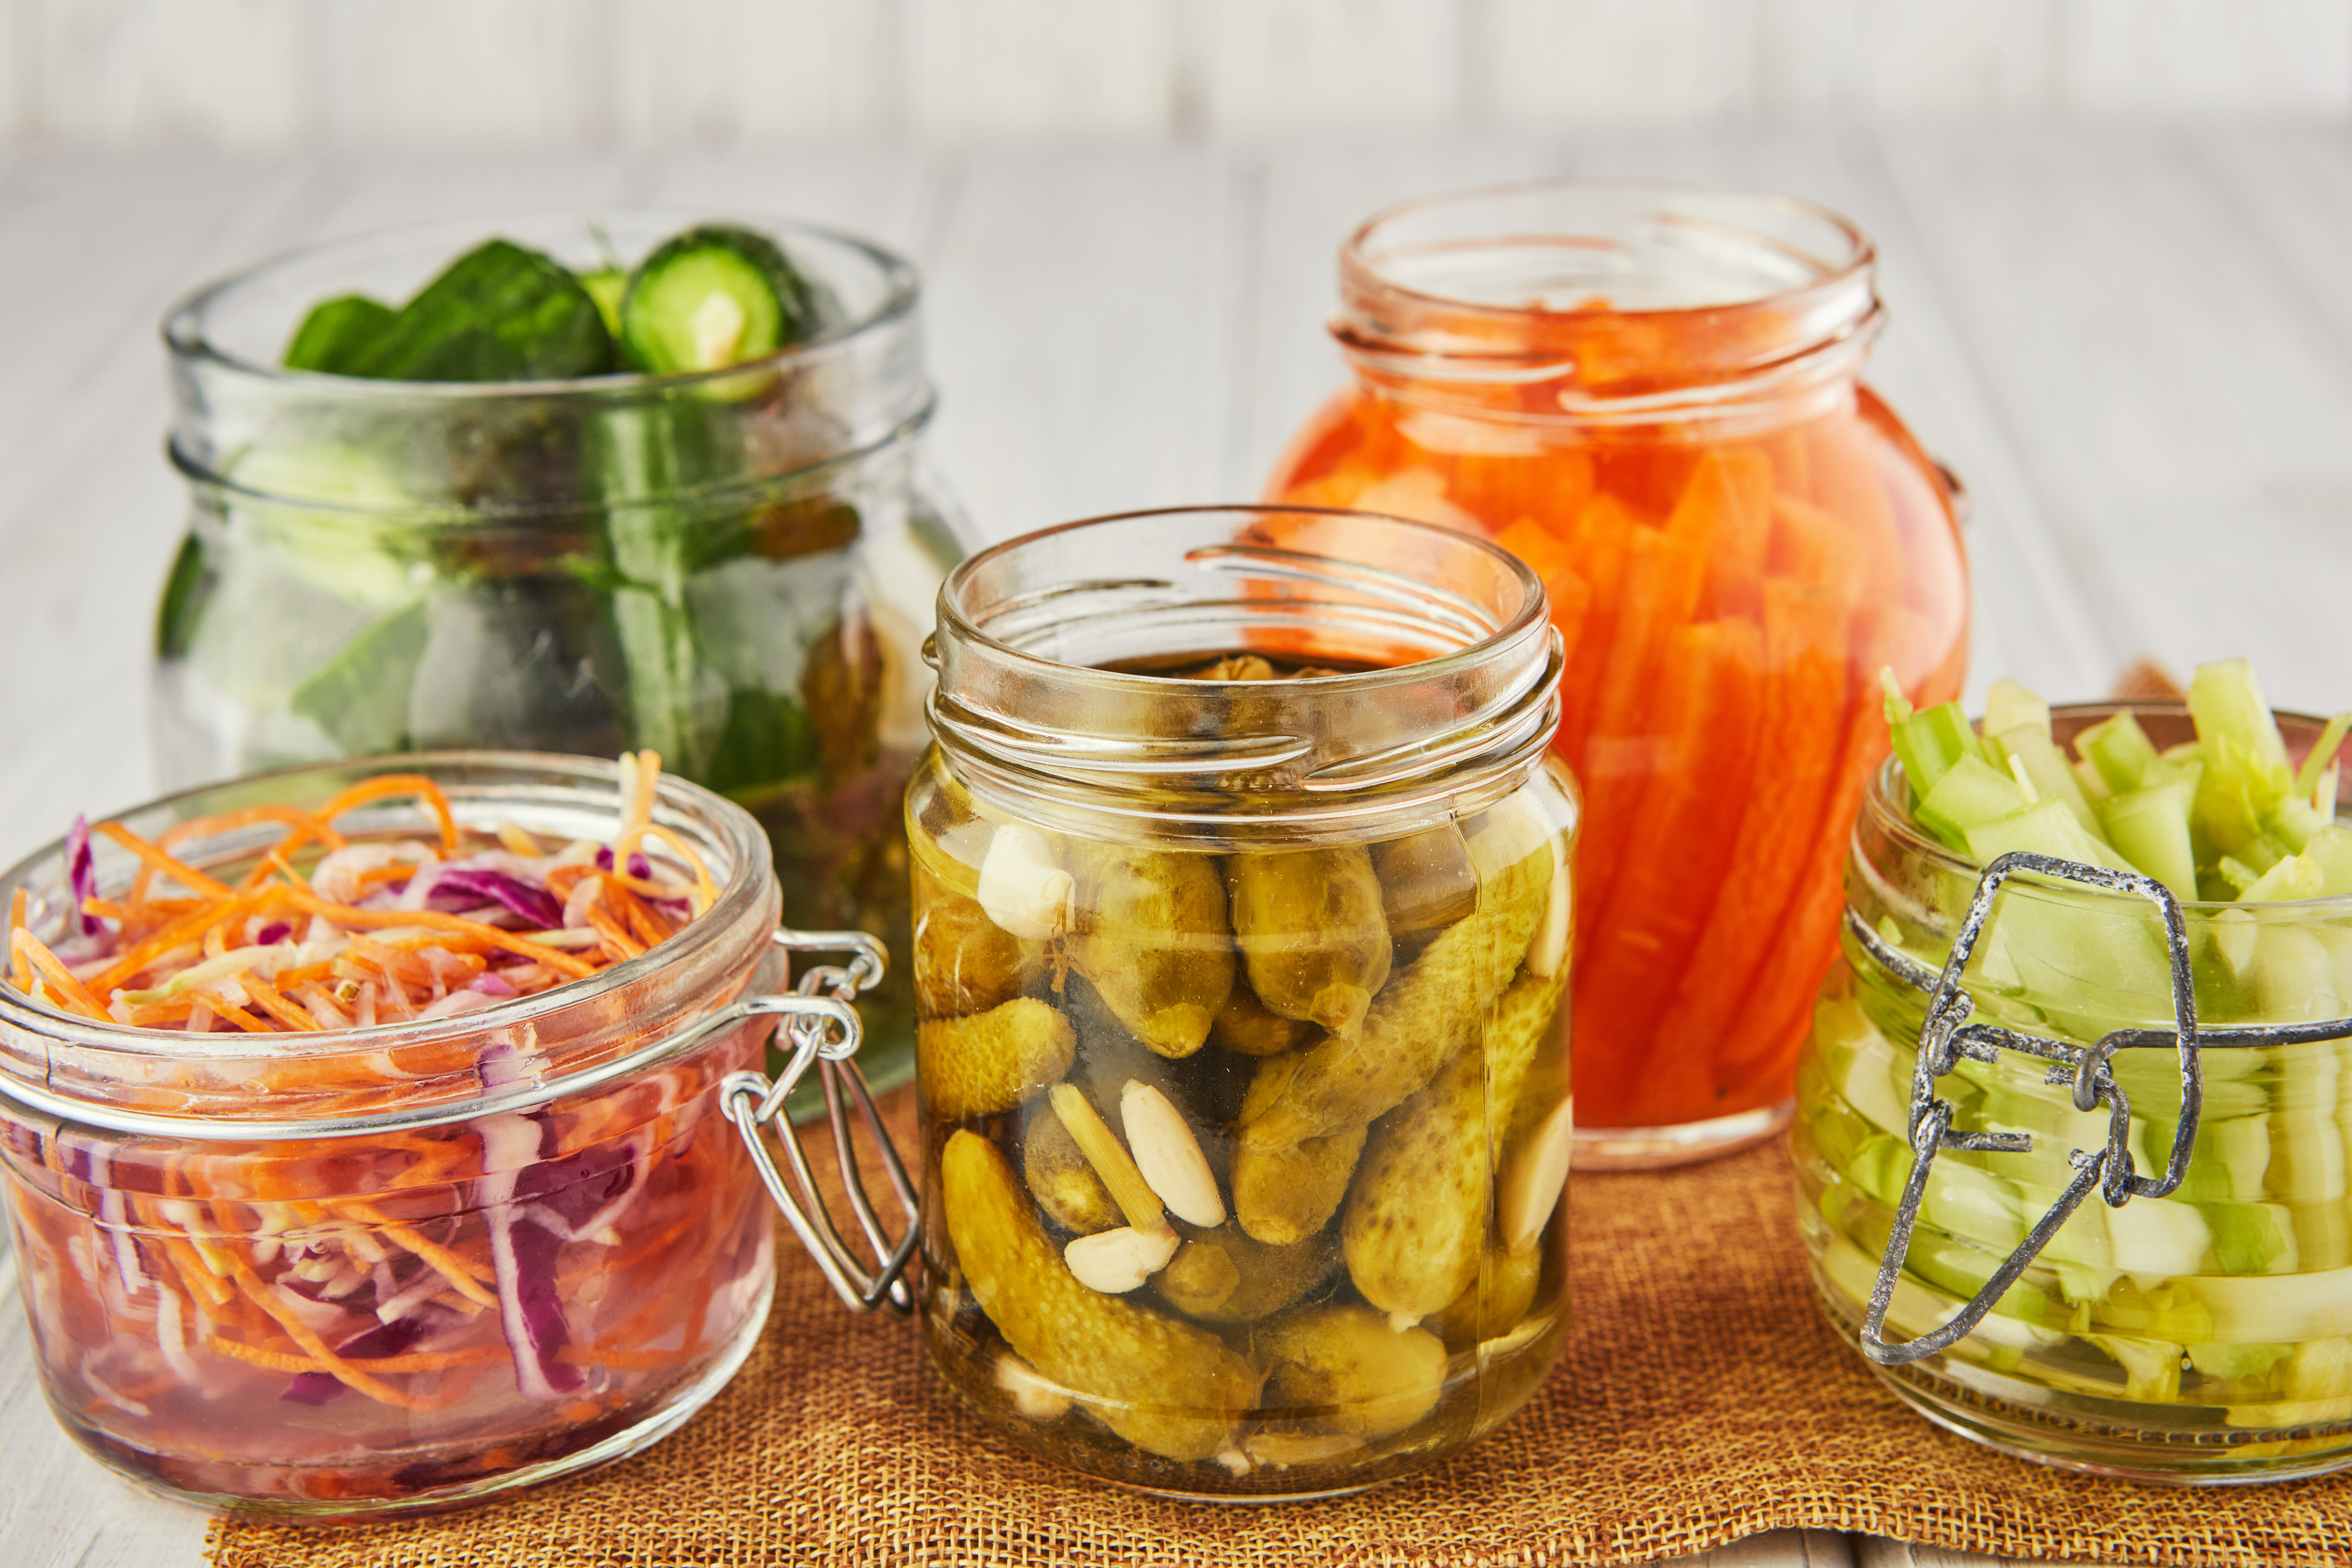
[(576, 486), (2205, 1335), (1246, 1147)]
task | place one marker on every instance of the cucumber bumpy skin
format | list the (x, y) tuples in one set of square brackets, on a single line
[(1426, 1014), (1154, 941), (1061, 1177), (1314, 940), (991, 1061), (1166, 1386), (1417, 1216), (1220, 1277)]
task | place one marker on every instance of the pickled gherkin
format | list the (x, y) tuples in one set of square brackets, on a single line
[(1177, 1148), (964, 962), (1417, 1216), (1169, 1389), (991, 1061), (1429, 1012), (1314, 940), (1155, 941)]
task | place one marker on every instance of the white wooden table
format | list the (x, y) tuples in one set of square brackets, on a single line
[(2136, 349)]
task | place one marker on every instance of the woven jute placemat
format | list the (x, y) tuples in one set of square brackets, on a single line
[(1702, 1398)]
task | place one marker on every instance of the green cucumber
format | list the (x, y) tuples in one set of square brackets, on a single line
[(336, 332), (713, 297), (606, 288), (499, 313), (359, 697)]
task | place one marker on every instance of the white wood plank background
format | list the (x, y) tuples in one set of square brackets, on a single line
[(285, 75), (2136, 345)]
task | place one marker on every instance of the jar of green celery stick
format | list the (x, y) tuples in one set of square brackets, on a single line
[(2157, 1235)]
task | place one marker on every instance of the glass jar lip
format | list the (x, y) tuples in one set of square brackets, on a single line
[(185, 336), (1533, 606), (1896, 824), (739, 895), (1357, 267)]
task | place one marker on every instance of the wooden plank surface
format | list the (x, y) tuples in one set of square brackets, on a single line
[(2133, 347)]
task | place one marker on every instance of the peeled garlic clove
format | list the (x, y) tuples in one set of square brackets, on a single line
[(1021, 888), (1031, 1394), (1114, 1262), (1535, 1178), (1169, 1156)]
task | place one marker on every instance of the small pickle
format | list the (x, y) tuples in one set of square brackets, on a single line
[(1427, 884), (1154, 941), (1426, 1014), (1287, 1194), (1060, 1175), (1218, 1277), (1234, 667), (991, 1061), (1246, 1027), (1346, 1368), (1495, 1301), (1417, 1215), (1312, 934), (1169, 1388), (964, 962)]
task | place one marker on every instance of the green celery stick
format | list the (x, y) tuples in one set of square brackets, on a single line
[(2234, 1361), (2048, 828), (2009, 706), (2119, 749), (2032, 751), (2295, 877), (2322, 755), (1972, 791), (2149, 828), (2331, 850), (2246, 768)]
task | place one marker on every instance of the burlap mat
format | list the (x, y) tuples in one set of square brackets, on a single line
[(1702, 1399)]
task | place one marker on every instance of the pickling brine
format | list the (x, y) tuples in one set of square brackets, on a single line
[(2201, 1335), (1649, 396), (1247, 1104)]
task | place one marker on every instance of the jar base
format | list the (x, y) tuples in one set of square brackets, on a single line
[(631, 1441), (1655, 1149), (2091, 1449)]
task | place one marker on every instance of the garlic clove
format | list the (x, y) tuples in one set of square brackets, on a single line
[(1116, 1261), (1536, 1178), (1169, 1156), (1021, 888)]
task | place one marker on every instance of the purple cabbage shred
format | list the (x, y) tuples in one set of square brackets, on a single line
[(81, 873), (528, 900)]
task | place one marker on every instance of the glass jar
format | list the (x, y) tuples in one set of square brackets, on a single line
[(732, 569), (1242, 916), (401, 1266), (1649, 393), (2202, 1336)]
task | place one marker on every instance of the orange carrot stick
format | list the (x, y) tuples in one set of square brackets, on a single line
[(23, 948), (276, 1003), (188, 928), (188, 876), (377, 919), (386, 784), (20, 969)]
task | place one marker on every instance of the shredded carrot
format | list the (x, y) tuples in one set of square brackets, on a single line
[(704, 892), (386, 784), (236, 1015), (188, 928), (273, 1002), (614, 931), (301, 1333), (376, 919), (23, 948), (418, 1361), (20, 969), (186, 875)]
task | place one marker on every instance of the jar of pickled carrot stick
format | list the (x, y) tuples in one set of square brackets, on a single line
[(1651, 394), (465, 1225)]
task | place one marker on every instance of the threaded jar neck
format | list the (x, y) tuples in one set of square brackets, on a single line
[(1447, 699), (1601, 302)]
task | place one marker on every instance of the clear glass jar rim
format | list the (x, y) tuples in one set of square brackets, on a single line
[(1532, 607), (737, 896), (1455, 693), (1895, 822), (183, 331), (1358, 268)]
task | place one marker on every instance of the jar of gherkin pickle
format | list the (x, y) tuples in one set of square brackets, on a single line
[(1241, 922)]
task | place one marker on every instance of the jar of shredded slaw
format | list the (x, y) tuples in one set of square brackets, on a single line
[(361, 1125)]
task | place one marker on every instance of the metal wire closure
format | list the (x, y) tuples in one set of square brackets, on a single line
[(1945, 1036), (824, 1033)]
